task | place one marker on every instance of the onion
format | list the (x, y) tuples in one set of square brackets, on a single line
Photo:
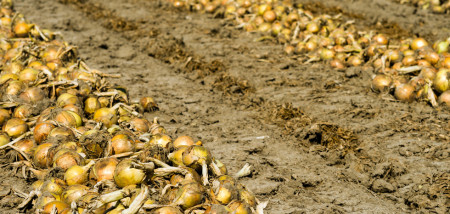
[(167, 210), (441, 46), (4, 139), (247, 196), (107, 116), (189, 195), (26, 146), (69, 118), (225, 189), (444, 98), (42, 155), (129, 172), (61, 133), (66, 158), (183, 141), (122, 143), (74, 192), (446, 63), (44, 199), (160, 140), (4, 116), (29, 75), (441, 82), (409, 60), (23, 111), (405, 92), (313, 27), (148, 104), (326, 54), (428, 73), (104, 169), (66, 99), (140, 125), (269, 16), (338, 64), (15, 127), (8, 77), (74, 108), (59, 205), (380, 39), (77, 174), (91, 104), (418, 43), (55, 186), (177, 156), (432, 57), (239, 207), (381, 83), (217, 209), (21, 29), (14, 88), (32, 95)]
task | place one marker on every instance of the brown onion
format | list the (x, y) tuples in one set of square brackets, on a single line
[(129, 172), (140, 125), (418, 43), (69, 118), (183, 141), (62, 133), (107, 116), (74, 192), (91, 104), (15, 127), (380, 39), (104, 169), (66, 158), (167, 210), (23, 111), (21, 29), (42, 157), (26, 146), (59, 205), (239, 207), (29, 75), (32, 95), (442, 81), (405, 92), (381, 83), (161, 140), (14, 88), (444, 98), (5, 115), (122, 143), (66, 99), (4, 139), (77, 174), (189, 195)]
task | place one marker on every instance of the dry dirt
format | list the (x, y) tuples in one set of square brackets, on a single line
[(320, 141)]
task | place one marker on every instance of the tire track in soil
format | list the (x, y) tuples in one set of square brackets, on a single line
[(314, 186)]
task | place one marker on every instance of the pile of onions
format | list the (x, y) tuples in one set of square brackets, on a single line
[(88, 147)]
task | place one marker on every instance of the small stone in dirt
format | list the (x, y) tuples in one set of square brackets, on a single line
[(381, 186)]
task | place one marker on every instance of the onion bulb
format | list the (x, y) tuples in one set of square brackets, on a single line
[(225, 189), (104, 169), (32, 95), (66, 99), (107, 116), (189, 195), (4, 139), (74, 192), (59, 205), (122, 143), (21, 29), (4, 116), (91, 104), (442, 81), (129, 172), (239, 207), (381, 83), (217, 209), (77, 174), (42, 155), (418, 43), (160, 140), (26, 146), (15, 127), (66, 158), (183, 141), (69, 118), (405, 92), (167, 210), (444, 98)]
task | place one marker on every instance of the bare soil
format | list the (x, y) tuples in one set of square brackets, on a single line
[(320, 140)]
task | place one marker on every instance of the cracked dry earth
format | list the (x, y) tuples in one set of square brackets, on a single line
[(319, 140)]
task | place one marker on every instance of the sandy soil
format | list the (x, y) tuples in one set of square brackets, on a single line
[(320, 141)]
